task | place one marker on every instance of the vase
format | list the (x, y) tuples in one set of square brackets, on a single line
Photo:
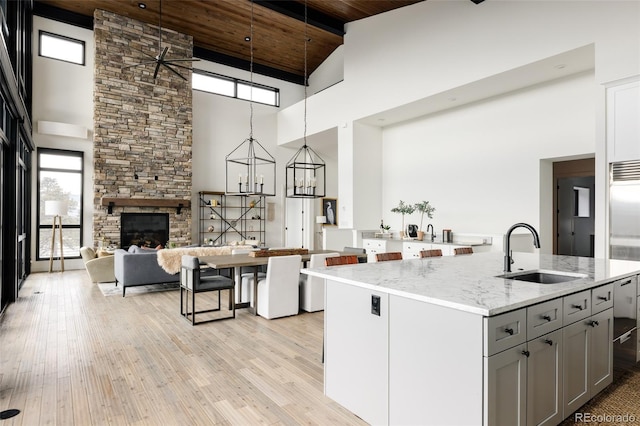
[(420, 235)]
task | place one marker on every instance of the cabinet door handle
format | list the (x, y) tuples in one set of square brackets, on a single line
[(579, 307), (625, 283), (594, 323), (546, 317), (526, 353), (605, 298), (548, 342), (509, 330)]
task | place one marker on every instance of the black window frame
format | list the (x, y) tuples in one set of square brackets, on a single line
[(84, 47), (236, 81), (40, 226)]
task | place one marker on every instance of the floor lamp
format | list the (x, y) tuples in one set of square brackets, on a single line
[(57, 209)]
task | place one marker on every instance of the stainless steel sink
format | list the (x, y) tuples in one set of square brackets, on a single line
[(543, 277)]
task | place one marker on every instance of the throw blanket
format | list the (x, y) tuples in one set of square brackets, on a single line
[(171, 259)]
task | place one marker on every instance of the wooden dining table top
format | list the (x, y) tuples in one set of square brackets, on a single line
[(224, 261)]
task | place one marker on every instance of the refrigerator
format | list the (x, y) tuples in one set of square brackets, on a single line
[(624, 211)]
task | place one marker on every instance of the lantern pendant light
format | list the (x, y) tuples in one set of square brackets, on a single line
[(305, 171), (250, 169)]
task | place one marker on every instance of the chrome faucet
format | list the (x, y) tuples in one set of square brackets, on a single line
[(433, 235), (508, 260)]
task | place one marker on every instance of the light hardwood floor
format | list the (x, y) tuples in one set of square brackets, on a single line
[(71, 356)]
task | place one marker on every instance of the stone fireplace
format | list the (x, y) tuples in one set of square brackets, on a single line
[(142, 128)]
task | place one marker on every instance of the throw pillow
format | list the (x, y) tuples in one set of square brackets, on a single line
[(104, 253)]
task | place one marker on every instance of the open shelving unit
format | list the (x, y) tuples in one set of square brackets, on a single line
[(227, 218)]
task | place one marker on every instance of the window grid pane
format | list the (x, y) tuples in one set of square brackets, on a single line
[(239, 89)]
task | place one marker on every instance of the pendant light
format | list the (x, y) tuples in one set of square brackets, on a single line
[(250, 169), (305, 171)]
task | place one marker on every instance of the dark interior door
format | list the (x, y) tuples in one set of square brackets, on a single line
[(575, 216)]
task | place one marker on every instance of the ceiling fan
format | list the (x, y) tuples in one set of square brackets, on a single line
[(160, 59)]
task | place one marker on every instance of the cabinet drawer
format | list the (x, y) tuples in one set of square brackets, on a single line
[(601, 298), (544, 318), (504, 331), (576, 307)]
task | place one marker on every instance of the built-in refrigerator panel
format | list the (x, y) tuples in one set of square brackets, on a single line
[(624, 211)]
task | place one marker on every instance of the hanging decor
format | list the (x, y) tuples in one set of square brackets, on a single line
[(305, 171), (160, 59), (250, 169)]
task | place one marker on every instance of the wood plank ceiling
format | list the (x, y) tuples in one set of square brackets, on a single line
[(219, 27)]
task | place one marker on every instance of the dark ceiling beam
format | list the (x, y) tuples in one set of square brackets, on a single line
[(60, 15), (315, 18), (242, 64)]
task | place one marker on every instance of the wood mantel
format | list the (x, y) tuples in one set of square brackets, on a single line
[(111, 202)]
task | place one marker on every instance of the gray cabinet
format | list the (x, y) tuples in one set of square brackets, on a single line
[(544, 379), (587, 359), (506, 387)]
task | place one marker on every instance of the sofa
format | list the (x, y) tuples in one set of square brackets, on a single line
[(99, 268), (139, 266)]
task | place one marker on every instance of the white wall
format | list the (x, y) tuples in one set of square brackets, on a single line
[(63, 92), (478, 165)]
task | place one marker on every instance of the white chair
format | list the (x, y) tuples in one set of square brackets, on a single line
[(312, 288), (243, 286), (278, 292)]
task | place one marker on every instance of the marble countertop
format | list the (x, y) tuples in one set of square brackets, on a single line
[(427, 241), (469, 282)]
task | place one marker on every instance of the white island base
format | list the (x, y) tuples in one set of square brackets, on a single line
[(420, 365)]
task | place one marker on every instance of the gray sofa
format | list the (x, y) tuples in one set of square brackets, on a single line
[(140, 267)]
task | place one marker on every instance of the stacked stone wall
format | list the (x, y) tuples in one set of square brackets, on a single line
[(142, 126)]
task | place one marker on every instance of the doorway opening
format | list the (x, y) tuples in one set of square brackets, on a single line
[(574, 207)]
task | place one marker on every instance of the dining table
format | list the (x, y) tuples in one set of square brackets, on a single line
[(236, 261)]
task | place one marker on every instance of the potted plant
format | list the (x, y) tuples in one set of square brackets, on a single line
[(403, 208), (424, 208)]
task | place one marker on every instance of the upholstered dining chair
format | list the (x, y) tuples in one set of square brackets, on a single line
[(192, 283), (347, 259), (431, 253), (242, 276), (463, 250), (278, 292), (392, 255), (312, 288)]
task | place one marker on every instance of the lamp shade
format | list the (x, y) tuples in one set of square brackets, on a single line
[(55, 208), (321, 219)]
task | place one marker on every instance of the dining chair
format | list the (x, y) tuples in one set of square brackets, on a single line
[(463, 250), (278, 292), (242, 275), (192, 283), (392, 255), (312, 288), (347, 259), (431, 253)]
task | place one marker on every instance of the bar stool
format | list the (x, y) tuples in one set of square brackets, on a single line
[(348, 259), (392, 255), (463, 250), (431, 253)]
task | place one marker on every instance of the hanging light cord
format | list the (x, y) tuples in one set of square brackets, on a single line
[(160, 30), (251, 75), (306, 39)]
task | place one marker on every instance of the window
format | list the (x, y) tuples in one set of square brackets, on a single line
[(62, 48), (234, 88), (60, 176)]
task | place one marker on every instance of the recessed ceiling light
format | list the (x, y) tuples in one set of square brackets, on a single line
[(247, 38), (560, 66), (142, 5), (452, 99)]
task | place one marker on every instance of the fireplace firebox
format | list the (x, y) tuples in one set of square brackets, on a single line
[(144, 229)]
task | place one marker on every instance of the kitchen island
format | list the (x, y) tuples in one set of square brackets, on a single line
[(445, 341)]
